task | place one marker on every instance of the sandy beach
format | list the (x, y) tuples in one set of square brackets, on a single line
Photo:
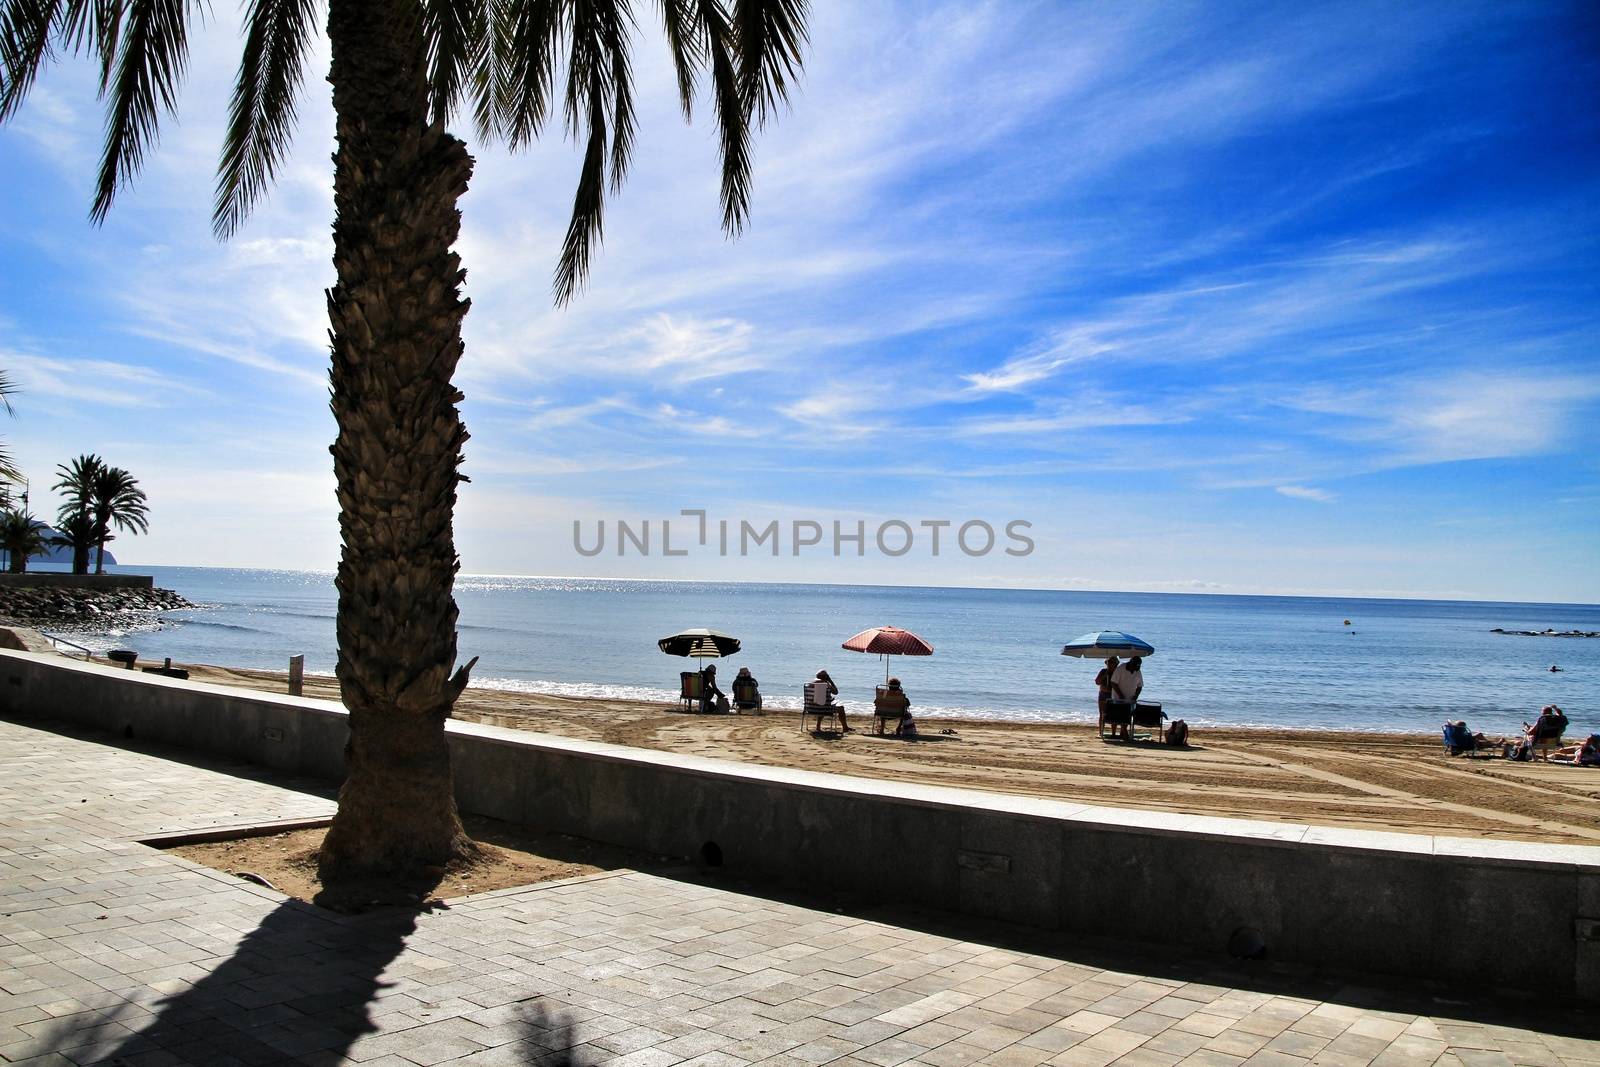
[(1375, 781)]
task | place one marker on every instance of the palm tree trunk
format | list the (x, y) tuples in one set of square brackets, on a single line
[(396, 317)]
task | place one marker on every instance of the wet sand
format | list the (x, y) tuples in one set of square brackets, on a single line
[(1393, 782)]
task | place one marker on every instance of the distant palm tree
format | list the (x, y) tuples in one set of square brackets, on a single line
[(22, 537), (116, 500), (77, 532), (76, 484), (401, 71)]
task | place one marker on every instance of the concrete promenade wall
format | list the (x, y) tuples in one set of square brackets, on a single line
[(1497, 913), (63, 580)]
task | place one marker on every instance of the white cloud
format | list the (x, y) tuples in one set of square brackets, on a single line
[(1304, 492), (1469, 414), (96, 381)]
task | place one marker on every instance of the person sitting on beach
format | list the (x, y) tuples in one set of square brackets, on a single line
[(1549, 726), (1107, 691), (894, 701), (821, 692), (746, 691), (712, 698)]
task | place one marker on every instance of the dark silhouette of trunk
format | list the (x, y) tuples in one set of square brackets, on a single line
[(396, 316), (80, 559)]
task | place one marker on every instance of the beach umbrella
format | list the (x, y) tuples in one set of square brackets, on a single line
[(699, 643), (888, 641), (1103, 643)]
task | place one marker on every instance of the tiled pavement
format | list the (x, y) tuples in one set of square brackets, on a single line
[(112, 952)]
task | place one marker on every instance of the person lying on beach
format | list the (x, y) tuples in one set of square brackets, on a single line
[(1585, 755)]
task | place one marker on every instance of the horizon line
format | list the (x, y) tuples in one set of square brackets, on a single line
[(1452, 599)]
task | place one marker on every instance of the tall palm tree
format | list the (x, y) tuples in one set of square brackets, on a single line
[(401, 69), (8, 469), (76, 484), (22, 537), (116, 500)]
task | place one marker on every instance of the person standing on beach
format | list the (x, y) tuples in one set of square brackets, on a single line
[(1127, 680), (1103, 680)]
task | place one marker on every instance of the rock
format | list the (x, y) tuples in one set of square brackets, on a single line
[(86, 608)]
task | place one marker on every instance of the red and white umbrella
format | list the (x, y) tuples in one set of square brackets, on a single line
[(888, 641)]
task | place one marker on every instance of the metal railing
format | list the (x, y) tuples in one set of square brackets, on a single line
[(87, 652)]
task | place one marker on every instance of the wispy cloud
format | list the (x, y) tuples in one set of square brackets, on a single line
[(1306, 492), (96, 381)]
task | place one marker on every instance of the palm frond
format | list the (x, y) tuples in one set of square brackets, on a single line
[(686, 39), (151, 54), (587, 203), (8, 389), (732, 128), (488, 77), (455, 34), (770, 35), (598, 99), (25, 27), (261, 119), (614, 41), (527, 62)]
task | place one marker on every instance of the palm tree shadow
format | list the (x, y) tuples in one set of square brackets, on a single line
[(302, 987)]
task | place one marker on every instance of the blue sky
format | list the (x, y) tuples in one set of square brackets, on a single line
[(1229, 298)]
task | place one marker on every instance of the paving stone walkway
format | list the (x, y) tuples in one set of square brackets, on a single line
[(112, 952)]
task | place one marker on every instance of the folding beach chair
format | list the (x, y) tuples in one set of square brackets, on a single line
[(689, 690)]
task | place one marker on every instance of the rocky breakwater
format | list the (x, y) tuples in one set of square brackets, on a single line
[(1546, 633), (85, 609)]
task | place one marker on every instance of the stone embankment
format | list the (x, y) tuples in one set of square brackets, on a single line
[(85, 609), (1546, 633)]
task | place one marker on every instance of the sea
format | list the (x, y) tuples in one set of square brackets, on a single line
[(1240, 661)]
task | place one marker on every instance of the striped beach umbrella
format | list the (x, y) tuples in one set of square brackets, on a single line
[(1103, 643), (699, 643)]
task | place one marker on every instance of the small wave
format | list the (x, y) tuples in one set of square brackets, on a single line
[(931, 712), (210, 624), (589, 690)]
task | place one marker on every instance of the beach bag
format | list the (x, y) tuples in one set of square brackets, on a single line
[(722, 703), (1178, 733)]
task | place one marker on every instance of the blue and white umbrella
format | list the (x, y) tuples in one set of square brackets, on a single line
[(1103, 643)]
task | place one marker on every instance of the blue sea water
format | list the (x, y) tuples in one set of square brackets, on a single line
[(1402, 665)]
